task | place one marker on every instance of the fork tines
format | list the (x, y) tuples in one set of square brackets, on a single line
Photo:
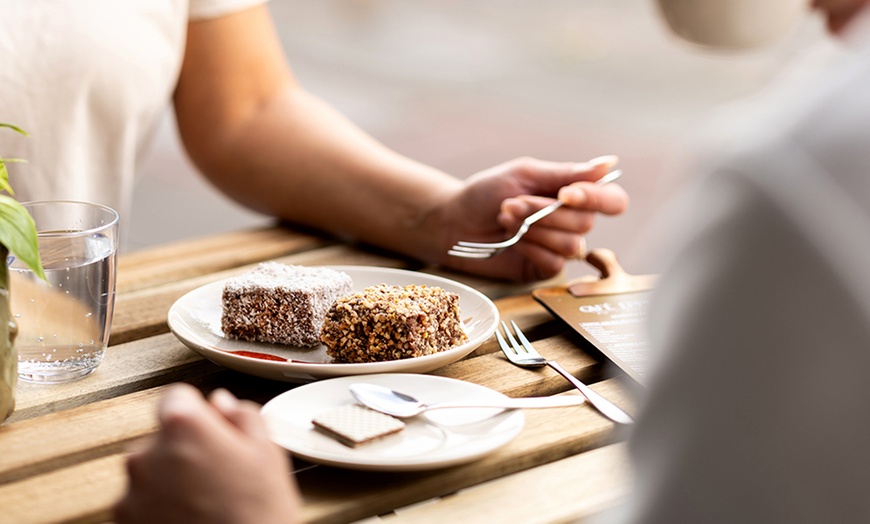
[(519, 352), (522, 354), (469, 252)]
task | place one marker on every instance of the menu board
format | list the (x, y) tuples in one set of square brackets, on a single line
[(615, 324), (610, 313)]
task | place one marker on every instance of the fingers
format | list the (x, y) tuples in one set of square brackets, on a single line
[(540, 263), (182, 409), (184, 412), (544, 177), (186, 416), (610, 199), (136, 458), (515, 210), (183, 404), (597, 167), (559, 242), (574, 182), (242, 414), (512, 191), (552, 240), (204, 465), (245, 416)]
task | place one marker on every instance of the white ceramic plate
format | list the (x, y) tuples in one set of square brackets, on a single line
[(432, 440), (195, 319)]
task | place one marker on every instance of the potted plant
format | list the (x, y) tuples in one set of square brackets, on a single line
[(18, 235)]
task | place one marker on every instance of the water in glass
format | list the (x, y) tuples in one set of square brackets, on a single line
[(64, 323)]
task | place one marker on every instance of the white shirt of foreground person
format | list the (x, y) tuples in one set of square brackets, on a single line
[(759, 409), (89, 80)]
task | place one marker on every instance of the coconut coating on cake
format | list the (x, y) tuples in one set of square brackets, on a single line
[(392, 322), (281, 304)]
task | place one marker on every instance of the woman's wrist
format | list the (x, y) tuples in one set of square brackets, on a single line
[(430, 231)]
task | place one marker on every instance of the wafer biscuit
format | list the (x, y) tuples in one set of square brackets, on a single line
[(354, 425)]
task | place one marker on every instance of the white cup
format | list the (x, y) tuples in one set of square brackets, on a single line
[(732, 24)]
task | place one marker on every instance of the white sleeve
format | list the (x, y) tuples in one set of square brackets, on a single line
[(203, 9)]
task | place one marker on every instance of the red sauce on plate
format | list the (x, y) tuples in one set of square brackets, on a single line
[(261, 356)]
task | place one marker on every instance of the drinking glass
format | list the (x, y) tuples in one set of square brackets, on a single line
[(64, 322)]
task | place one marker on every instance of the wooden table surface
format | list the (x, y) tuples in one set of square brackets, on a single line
[(62, 451)]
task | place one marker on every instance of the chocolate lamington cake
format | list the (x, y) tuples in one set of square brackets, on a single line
[(392, 322), (281, 304)]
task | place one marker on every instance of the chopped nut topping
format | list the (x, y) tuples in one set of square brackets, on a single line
[(392, 322)]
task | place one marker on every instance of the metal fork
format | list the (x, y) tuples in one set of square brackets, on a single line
[(491, 249), (524, 355)]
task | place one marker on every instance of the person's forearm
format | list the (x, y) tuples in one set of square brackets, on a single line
[(259, 137), (298, 159)]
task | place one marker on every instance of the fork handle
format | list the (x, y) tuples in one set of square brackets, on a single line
[(541, 213), (604, 406)]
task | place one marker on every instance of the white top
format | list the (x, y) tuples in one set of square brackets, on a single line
[(760, 406), (89, 81)]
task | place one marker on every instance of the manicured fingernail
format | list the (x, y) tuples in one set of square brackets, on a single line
[(572, 195), (605, 160)]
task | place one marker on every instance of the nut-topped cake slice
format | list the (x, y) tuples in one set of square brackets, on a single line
[(281, 304), (392, 322)]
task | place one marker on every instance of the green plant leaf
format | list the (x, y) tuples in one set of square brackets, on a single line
[(4, 174), (17, 229), (4, 178), (18, 234)]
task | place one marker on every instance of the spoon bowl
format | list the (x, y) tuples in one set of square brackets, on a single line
[(402, 405)]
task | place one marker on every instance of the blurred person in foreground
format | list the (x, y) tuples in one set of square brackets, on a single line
[(758, 408), (90, 80)]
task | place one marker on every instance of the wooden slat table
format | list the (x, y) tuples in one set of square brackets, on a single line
[(62, 451)]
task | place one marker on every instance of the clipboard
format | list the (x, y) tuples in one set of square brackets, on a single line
[(609, 312)]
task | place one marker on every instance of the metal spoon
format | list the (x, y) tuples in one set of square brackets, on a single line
[(402, 405)]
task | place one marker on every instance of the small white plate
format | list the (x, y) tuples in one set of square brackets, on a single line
[(195, 319), (432, 440)]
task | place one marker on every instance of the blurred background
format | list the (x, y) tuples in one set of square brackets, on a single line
[(467, 84)]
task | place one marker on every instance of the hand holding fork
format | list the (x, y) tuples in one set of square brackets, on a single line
[(490, 249)]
